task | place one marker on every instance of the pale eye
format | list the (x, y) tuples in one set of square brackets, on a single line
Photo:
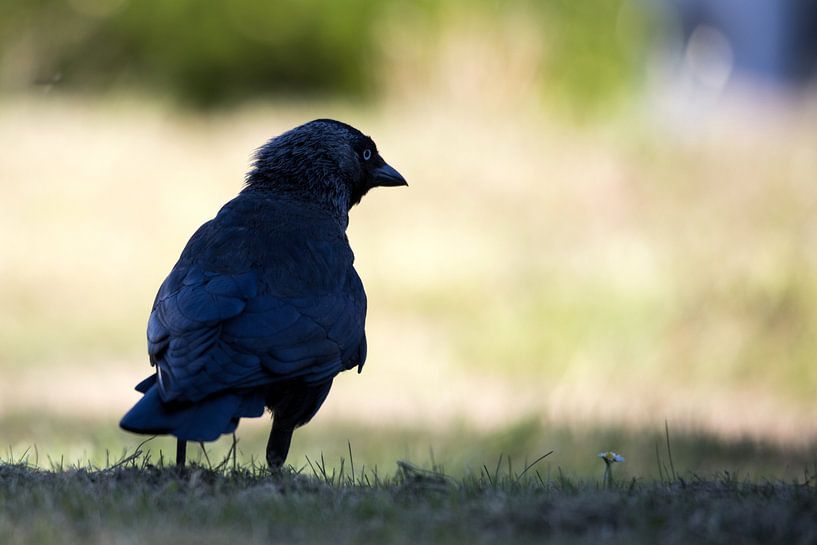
[(367, 154)]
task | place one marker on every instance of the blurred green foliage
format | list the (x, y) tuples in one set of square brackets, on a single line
[(600, 52), (204, 52), (215, 53)]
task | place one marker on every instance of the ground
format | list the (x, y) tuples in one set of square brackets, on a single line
[(137, 502)]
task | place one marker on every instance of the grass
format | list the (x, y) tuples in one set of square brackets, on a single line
[(64, 482), (550, 289), (138, 500), (457, 449), (600, 276)]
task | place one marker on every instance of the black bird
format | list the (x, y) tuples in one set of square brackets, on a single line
[(264, 306)]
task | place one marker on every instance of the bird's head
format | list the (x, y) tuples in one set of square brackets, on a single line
[(324, 161)]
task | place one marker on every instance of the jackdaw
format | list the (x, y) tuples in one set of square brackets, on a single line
[(264, 306)]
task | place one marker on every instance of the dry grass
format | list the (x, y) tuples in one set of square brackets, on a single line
[(619, 274), (138, 503)]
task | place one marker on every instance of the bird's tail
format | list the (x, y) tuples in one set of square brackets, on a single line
[(203, 420)]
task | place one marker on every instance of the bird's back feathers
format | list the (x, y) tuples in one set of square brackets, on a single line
[(264, 293)]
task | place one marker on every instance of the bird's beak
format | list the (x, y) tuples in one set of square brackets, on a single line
[(386, 176)]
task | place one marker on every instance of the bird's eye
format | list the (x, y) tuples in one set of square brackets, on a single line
[(367, 154)]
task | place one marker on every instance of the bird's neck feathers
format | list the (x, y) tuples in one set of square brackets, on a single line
[(304, 173), (320, 193)]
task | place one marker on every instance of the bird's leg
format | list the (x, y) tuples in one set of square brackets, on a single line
[(278, 445), (235, 453), (181, 452)]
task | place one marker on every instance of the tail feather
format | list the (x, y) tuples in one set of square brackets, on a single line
[(203, 420)]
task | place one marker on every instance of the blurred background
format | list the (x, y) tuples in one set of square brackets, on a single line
[(611, 221)]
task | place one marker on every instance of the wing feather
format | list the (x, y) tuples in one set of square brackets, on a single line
[(252, 312)]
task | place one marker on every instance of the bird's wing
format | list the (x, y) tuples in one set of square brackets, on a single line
[(300, 315)]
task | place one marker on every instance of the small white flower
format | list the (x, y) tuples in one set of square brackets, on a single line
[(609, 457)]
